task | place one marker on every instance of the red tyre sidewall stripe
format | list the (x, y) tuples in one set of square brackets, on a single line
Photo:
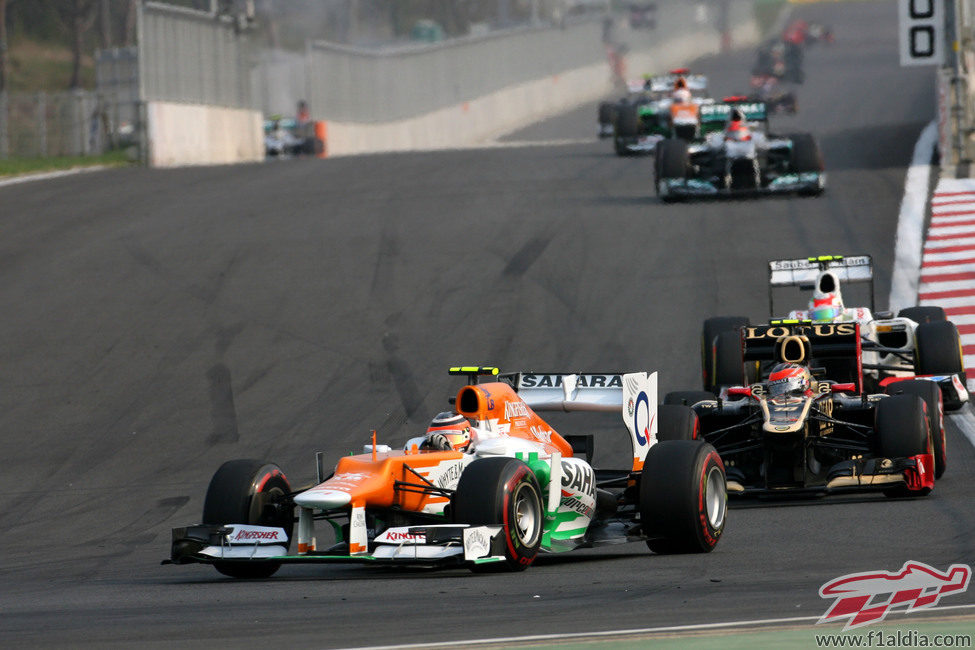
[(709, 537), (509, 488), (267, 477)]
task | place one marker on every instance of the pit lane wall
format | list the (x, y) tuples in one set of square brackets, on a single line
[(198, 87), (194, 88), (482, 119), (195, 134)]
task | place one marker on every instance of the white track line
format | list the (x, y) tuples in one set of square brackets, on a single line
[(43, 176), (965, 423), (612, 633), (910, 223)]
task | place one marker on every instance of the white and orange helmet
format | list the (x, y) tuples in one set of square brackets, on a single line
[(448, 431)]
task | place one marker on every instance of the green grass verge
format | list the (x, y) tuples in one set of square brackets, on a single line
[(17, 166)]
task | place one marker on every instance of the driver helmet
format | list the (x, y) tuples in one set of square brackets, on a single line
[(682, 96), (827, 303), (737, 128), (789, 380), (448, 431)]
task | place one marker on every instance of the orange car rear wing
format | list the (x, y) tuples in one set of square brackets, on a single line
[(633, 395)]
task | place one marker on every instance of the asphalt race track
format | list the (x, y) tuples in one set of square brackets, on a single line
[(157, 323)]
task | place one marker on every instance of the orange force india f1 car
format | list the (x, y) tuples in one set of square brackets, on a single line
[(514, 489)]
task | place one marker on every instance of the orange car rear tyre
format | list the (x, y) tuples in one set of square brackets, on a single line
[(683, 497)]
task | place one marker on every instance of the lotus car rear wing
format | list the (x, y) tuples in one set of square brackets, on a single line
[(804, 272), (832, 347), (633, 395)]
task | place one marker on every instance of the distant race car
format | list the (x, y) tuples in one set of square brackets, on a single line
[(737, 155), (284, 137), (765, 88), (648, 114), (489, 486), (810, 426)]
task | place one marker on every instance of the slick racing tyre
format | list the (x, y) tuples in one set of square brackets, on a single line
[(902, 428), (934, 410), (671, 162), (505, 492), (924, 314), (713, 327), (938, 352), (806, 157), (676, 422), (249, 492), (607, 114), (626, 128), (683, 497), (729, 365)]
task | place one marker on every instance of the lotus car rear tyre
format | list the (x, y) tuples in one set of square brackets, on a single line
[(676, 422), (249, 492), (729, 365), (713, 327), (934, 410), (683, 497), (505, 492)]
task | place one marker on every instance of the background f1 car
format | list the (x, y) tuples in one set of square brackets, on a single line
[(751, 163), (823, 432), (919, 343), (647, 114), (519, 490)]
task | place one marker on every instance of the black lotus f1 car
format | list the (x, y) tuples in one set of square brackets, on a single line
[(809, 426)]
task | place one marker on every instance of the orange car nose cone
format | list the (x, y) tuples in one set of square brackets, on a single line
[(323, 498)]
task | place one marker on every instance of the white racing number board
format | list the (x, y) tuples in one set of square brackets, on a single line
[(922, 32)]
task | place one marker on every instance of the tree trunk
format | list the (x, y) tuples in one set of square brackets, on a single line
[(105, 14), (83, 14), (130, 14), (77, 44), (3, 45)]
